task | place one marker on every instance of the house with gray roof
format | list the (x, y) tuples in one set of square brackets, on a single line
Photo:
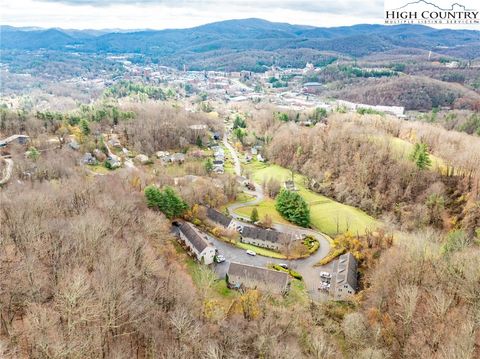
[(20, 139), (266, 238), (344, 279), (218, 217), (197, 243), (242, 276), (177, 158)]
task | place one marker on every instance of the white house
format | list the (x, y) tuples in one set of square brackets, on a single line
[(197, 243)]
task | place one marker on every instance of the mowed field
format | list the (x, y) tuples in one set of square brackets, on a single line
[(327, 215)]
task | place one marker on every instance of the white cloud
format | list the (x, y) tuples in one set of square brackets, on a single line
[(176, 14), (161, 14)]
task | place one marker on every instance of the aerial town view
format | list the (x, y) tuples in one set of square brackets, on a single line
[(229, 180)]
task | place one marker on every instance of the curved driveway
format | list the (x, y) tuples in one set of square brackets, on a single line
[(311, 274)]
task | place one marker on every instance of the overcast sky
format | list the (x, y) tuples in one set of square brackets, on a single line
[(161, 14)]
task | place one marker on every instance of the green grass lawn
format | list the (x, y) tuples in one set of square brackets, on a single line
[(327, 215), (228, 165), (243, 197), (100, 168), (267, 206), (298, 293), (404, 148), (261, 251)]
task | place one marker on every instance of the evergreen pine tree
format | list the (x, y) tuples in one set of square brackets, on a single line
[(254, 215)]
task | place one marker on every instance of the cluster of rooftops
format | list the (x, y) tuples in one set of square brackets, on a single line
[(238, 275), (247, 231), (344, 274)]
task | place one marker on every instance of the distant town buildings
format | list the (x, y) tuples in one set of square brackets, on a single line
[(312, 87), (398, 111)]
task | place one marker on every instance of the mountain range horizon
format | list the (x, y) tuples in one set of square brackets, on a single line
[(248, 44), (241, 19)]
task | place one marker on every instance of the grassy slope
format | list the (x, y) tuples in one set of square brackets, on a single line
[(228, 165), (100, 168), (326, 214), (404, 148), (267, 206)]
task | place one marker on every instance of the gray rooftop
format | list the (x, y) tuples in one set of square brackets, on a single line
[(252, 276), (218, 217), (264, 234), (347, 270), (194, 237)]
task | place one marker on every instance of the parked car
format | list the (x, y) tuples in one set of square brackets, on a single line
[(325, 275), (283, 265), (251, 253), (324, 287), (220, 258)]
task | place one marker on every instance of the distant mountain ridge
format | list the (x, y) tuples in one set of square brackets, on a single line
[(248, 36)]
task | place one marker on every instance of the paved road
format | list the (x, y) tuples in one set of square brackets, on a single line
[(236, 161), (311, 274)]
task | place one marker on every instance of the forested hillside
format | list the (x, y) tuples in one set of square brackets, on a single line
[(254, 37)]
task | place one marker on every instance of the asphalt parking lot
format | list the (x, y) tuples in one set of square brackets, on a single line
[(310, 273)]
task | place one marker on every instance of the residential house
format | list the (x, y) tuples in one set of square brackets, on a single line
[(73, 144), (89, 159), (142, 159), (265, 238), (218, 217), (242, 276), (344, 279), (197, 243), (177, 158), (113, 161), (162, 154), (312, 87), (114, 142), (218, 151), (20, 139), (99, 155), (218, 169)]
